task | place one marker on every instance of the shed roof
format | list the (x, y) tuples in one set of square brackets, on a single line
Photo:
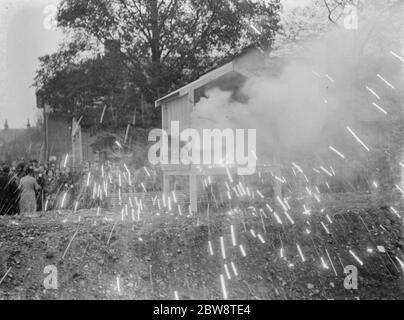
[(238, 65)]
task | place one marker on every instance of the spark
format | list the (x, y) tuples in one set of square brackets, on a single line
[(223, 287), (337, 152), (233, 236), (398, 187), (300, 253), (375, 184), (227, 271), (127, 132), (118, 144), (242, 250), (379, 108), (277, 218), (373, 92), (222, 248), (255, 29), (397, 56), (210, 247), (234, 269), (103, 112), (253, 233), (281, 253), (395, 212), (325, 266), (329, 78), (326, 171), (281, 203), (117, 285), (176, 295), (356, 257), (332, 265), (260, 194), (269, 208), (66, 158), (147, 171), (229, 175), (174, 197), (328, 218), (70, 242), (297, 167), (385, 81), (397, 258), (261, 238), (325, 227), (5, 275), (63, 200), (357, 139), (288, 216)]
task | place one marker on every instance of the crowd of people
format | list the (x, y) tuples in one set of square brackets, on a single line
[(27, 187)]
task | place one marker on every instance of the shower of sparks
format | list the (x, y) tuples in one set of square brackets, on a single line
[(356, 257), (224, 291), (337, 152), (358, 139), (379, 108), (373, 92), (385, 81), (397, 56)]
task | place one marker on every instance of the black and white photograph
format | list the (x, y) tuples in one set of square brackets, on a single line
[(201, 155)]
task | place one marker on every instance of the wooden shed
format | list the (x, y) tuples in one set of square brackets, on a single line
[(178, 106)]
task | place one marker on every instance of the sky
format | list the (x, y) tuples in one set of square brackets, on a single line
[(24, 36)]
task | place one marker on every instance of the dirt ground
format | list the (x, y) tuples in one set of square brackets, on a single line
[(113, 257)]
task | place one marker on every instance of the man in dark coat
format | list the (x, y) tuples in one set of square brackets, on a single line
[(8, 193)]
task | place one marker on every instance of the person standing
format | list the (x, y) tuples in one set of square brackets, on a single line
[(8, 193), (28, 186)]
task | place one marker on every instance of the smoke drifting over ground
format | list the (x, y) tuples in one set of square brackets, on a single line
[(320, 90)]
